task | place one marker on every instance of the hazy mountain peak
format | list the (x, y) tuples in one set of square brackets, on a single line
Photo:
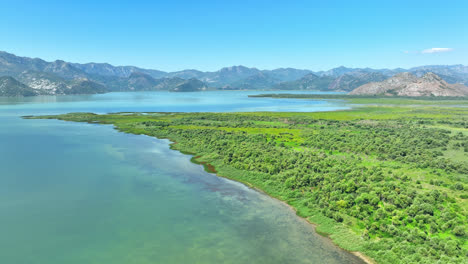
[(310, 76), (432, 77), (238, 69), (404, 75)]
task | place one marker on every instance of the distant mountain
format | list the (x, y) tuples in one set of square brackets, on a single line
[(286, 74), (44, 82), (120, 78), (224, 76), (85, 86), (241, 77), (64, 69), (13, 65), (143, 82), (450, 73), (138, 81), (342, 83), (188, 74), (112, 83), (169, 83), (236, 72), (11, 87), (41, 83), (347, 79), (336, 72), (230, 75), (106, 69), (58, 77), (260, 80), (348, 82), (407, 84), (308, 82), (50, 84), (190, 85)]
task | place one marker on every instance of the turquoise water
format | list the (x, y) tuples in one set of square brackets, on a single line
[(82, 193)]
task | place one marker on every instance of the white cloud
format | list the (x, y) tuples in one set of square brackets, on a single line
[(437, 50)]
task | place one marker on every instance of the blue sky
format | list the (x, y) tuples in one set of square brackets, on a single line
[(208, 35)]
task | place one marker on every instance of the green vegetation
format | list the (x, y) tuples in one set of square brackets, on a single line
[(390, 182)]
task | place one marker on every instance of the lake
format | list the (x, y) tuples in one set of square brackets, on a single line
[(83, 193)]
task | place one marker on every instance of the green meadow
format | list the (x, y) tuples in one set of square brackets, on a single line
[(390, 181)]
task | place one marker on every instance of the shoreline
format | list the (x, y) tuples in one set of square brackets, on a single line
[(358, 254), (227, 151), (211, 169)]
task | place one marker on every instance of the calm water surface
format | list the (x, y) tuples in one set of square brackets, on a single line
[(82, 193)]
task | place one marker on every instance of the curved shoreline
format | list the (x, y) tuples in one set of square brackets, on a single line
[(211, 169)]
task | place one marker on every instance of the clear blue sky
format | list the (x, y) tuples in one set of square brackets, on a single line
[(208, 35)]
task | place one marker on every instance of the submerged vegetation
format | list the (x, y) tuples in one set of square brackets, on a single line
[(391, 182)]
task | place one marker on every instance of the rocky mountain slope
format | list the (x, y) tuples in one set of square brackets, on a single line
[(11, 87), (407, 84), (44, 82), (33, 83), (450, 73)]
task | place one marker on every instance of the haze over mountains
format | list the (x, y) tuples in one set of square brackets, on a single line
[(33, 76)]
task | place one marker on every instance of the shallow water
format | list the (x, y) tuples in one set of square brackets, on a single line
[(83, 193)]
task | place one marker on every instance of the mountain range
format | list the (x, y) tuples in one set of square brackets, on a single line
[(407, 84), (33, 76)]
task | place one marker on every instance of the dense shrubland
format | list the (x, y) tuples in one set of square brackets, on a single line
[(397, 179)]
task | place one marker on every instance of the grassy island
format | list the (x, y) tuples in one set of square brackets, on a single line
[(390, 182)]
